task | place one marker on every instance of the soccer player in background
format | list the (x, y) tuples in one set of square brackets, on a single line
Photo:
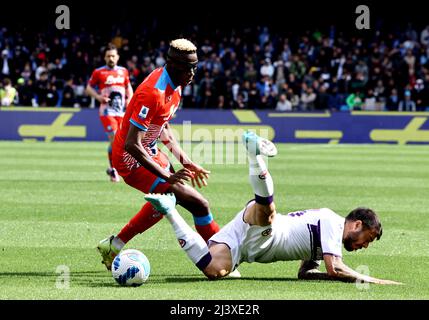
[(140, 162), (114, 93), (259, 234)]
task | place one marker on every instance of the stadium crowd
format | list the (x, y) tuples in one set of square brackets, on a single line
[(244, 68)]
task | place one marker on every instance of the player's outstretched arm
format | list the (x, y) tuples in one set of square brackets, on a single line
[(199, 173), (337, 270)]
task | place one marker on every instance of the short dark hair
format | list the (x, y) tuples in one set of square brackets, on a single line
[(369, 219), (110, 46)]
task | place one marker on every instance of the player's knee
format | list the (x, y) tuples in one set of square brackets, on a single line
[(215, 273), (204, 203)]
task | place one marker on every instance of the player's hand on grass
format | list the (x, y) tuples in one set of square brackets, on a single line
[(200, 174), (388, 282), (180, 176)]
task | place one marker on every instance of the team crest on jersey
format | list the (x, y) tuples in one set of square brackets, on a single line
[(182, 243), (266, 232), (143, 112), (263, 175)]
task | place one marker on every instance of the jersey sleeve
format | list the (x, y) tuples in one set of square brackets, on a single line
[(144, 106), (93, 81), (331, 234)]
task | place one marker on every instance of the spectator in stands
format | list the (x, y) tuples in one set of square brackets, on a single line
[(308, 98), (27, 72), (333, 64), (392, 103), (336, 100), (51, 95), (322, 101), (240, 102), (68, 99), (41, 70), (355, 100), (424, 36), (26, 95), (407, 104), (297, 67), (294, 99), (379, 92), (283, 104), (420, 95), (267, 68), (5, 65), (370, 103), (41, 88), (7, 93)]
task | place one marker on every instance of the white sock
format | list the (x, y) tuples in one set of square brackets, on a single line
[(260, 178), (190, 241), (117, 243)]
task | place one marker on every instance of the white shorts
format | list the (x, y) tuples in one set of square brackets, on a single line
[(247, 242)]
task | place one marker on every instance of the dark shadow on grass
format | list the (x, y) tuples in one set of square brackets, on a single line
[(100, 279), (54, 274), (179, 278), (266, 279)]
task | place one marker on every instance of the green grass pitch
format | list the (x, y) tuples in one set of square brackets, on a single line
[(56, 203)]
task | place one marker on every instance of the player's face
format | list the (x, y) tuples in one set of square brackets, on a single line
[(111, 57), (359, 238), (185, 67)]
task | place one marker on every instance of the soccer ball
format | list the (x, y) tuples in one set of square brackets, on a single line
[(130, 268)]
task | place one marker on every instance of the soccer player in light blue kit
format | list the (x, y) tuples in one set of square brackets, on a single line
[(259, 234)]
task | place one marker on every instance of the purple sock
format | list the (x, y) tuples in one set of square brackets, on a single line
[(264, 200)]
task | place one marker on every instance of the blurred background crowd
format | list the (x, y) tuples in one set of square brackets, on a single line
[(245, 67)]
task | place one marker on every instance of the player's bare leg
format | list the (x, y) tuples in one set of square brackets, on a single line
[(111, 171), (193, 201)]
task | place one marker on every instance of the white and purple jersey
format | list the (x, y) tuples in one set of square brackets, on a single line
[(305, 235), (301, 235)]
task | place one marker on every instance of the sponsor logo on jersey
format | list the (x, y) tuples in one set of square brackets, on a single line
[(266, 232), (114, 80), (182, 243), (143, 112)]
